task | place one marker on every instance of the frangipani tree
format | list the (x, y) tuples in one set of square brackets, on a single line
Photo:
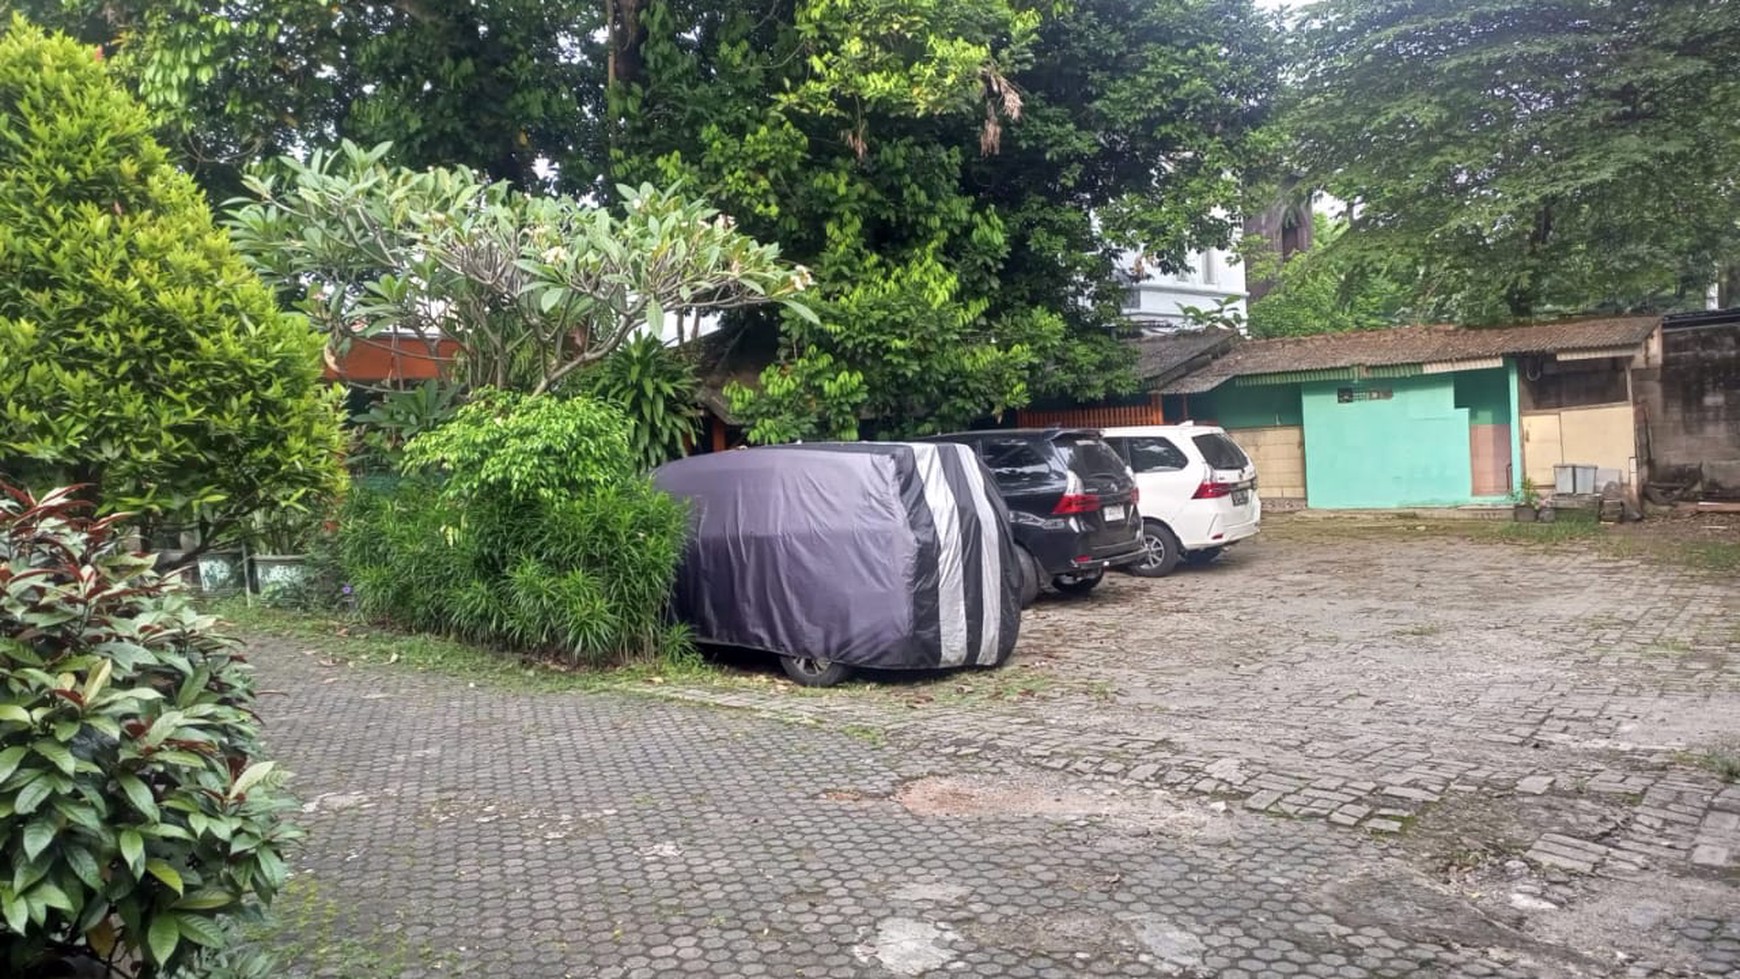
[(529, 289)]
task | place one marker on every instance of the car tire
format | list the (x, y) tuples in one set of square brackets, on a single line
[(1031, 576), (1197, 559), (1163, 551), (1070, 584), (813, 671)]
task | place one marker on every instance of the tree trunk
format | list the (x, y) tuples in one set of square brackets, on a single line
[(622, 20)]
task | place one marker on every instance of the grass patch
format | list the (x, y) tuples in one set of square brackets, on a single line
[(1422, 631), (875, 737), (361, 644), (1724, 764), (304, 931)]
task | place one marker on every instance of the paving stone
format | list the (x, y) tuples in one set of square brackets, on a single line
[(1710, 855), (1535, 784), (765, 820)]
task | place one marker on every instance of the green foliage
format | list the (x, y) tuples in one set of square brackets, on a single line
[(657, 389), (1325, 290), (961, 176), (531, 289), (1528, 156), (396, 418), (494, 87), (543, 536), (135, 812), (138, 355), (506, 445)]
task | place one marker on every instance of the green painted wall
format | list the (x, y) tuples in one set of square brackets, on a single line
[(1410, 449), (1486, 394), (1256, 406)]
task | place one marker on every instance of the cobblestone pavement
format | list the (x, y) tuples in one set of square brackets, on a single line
[(1331, 754)]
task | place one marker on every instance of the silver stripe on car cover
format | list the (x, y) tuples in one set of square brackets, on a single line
[(950, 585), (990, 561)]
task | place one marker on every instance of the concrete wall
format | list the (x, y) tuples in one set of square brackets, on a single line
[(1409, 449), (1160, 298), (1278, 451), (1692, 406), (1603, 436)]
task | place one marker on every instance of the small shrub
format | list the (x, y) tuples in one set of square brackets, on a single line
[(530, 527), (136, 816)]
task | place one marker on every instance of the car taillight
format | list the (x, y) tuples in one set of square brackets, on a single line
[(1135, 495), (1212, 491), (1076, 503)]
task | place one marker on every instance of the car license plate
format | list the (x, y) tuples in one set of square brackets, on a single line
[(1115, 514), (1241, 497)]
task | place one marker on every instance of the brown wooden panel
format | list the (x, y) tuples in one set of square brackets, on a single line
[(1092, 417)]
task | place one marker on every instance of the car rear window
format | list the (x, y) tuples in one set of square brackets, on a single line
[(1220, 451), (1014, 461), (1155, 455), (1090, 457)]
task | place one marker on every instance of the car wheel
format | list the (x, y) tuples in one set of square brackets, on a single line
[(1162, 552), (1031, 576), (1202, 557), (812, 671), (1077, 584)]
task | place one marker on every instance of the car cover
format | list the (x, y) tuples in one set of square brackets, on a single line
[(881, 555)]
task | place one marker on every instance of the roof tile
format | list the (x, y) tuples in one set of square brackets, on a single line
[(1413, 345)]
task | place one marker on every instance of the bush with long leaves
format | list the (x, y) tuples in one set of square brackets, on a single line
[(524, 523)]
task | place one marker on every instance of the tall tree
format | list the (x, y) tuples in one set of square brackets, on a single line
[(961, 177), (1325, 290), (1535, 156)]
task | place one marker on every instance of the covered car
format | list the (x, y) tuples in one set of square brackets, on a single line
[(845, 556)]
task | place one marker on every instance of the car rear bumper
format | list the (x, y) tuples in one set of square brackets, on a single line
[(1114, 557), (1070, 554)]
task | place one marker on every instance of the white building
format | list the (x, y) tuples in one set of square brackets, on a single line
[(1157, 300)]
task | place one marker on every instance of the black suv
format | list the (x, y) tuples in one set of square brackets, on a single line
[(1072, 503)]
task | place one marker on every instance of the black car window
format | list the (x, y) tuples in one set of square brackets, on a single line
[(1221, 452), (1089, 456), (1015, 463), (1155, 454)]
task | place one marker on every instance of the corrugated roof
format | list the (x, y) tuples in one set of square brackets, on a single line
[(1162, 355), (1413, 345)]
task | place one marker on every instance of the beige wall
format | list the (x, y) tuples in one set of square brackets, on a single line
[(1602, 436), (1279, 454)]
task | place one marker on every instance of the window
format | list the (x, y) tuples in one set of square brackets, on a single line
[(1090, 457), (1220, 451), (1575, 384), (1015, 462), (1155, 455)]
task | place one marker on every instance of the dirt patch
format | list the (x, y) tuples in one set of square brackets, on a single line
[(1131, 812), (1055, 934)]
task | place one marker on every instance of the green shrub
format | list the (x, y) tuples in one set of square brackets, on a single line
[(530, 528), (138, 355), (136, 817)]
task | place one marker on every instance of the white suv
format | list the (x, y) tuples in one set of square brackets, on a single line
[(1199, 492)]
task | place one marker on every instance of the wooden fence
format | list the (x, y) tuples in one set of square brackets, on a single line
[(1117, 416)]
